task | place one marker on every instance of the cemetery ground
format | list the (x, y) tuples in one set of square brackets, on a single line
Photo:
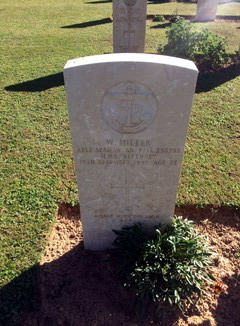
[(38, 180)]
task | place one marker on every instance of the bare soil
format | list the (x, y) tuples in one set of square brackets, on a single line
[(78, 287)]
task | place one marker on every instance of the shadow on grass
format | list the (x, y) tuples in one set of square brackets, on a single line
[(206, 81), (161, 25), (90, 23), (20, 295), (101, 1), (39, 84), (155, 2), (212, 79)]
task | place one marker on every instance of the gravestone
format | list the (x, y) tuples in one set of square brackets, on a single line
[(128, 116), (206, 10), (129, 24)]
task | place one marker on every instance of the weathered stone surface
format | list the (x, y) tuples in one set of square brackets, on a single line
[(206, 10), (129, 24), (128, 116)]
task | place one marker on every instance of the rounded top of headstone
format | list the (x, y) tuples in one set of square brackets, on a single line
[(130, 3), (133, 58)]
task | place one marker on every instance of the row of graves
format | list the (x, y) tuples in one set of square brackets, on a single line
[(129, 115), (129, 22)]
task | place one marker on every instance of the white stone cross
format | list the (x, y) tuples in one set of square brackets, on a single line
[(127, 186)]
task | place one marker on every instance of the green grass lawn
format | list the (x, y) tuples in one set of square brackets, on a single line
[(36, 161)]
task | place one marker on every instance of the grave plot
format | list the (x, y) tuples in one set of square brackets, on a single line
[(80, 287)]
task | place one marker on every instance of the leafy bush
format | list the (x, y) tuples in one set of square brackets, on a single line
[(203, 47), (167, 267)]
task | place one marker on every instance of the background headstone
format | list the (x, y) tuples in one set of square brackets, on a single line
[(129, 24), (206, 10), (128, 116)]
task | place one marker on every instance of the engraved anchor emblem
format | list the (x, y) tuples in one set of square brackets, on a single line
[(129, 107), (127, 103)]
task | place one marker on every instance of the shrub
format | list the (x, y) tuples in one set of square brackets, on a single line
[(167, 267), (203, 47), (159, 18), (175, 18)]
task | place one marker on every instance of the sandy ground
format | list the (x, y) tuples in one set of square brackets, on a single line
[(78, 288)]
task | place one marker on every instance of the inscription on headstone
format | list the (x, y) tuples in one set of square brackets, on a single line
[(129, 24), (128, 116), (206, 10)]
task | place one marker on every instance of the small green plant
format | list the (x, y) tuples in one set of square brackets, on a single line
[(203, 47), (175, 19), (175, 16), (159, 18), (168, 266)]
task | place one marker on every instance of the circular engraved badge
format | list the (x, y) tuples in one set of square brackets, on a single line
[(129, 107), (130, 3)]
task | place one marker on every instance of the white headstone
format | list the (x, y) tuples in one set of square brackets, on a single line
[(129, 24), (128, 116), (206, 10)]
